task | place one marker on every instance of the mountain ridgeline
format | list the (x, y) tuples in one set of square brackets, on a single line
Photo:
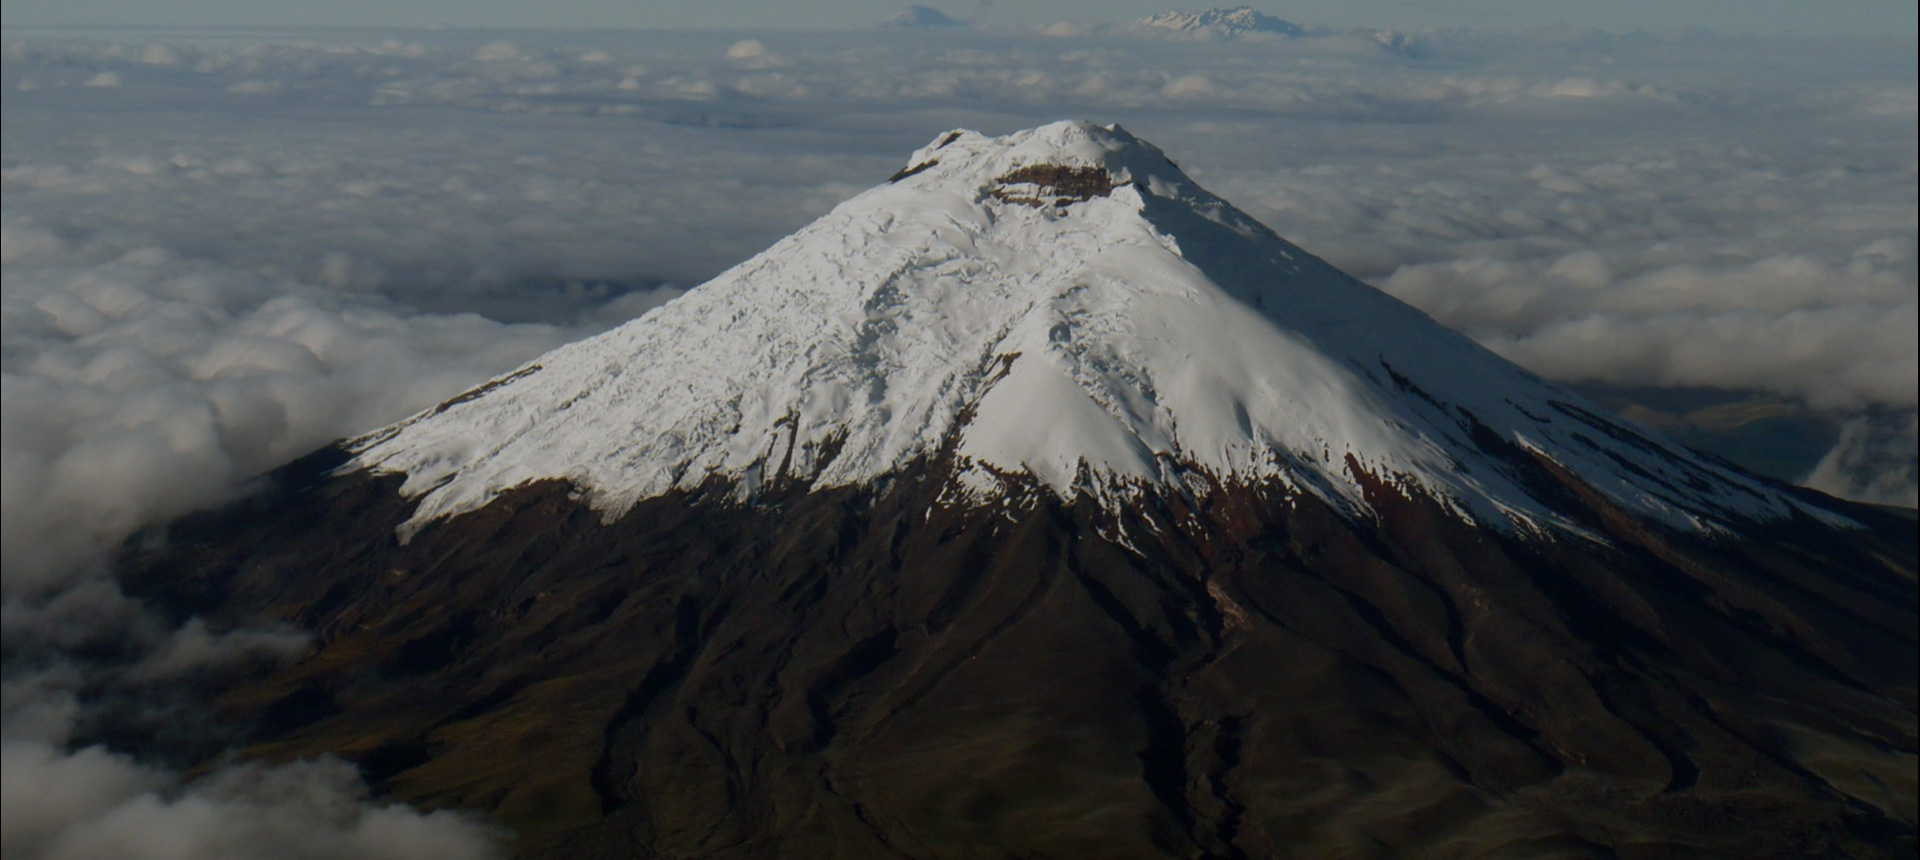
[(1038, 503)]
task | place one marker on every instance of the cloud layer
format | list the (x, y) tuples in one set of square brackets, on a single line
[(93, 803), (142, 384), (1628, 209), (224, 249)]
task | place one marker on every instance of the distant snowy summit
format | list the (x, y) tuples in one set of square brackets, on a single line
[(1245, 22), (918, 17), (1228, 23)]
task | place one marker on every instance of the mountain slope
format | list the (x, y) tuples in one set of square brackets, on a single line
[(1054, 298), (1038, 503), (844, 673)]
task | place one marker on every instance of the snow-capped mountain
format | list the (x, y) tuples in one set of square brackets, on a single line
[(1244, 21), (1238, 21), (1038, 503), (1060, 306), (918, 17)]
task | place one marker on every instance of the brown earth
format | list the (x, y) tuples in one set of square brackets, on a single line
[(1052, 185), (864, 673)]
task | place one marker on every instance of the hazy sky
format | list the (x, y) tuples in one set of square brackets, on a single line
[(1760, 16)]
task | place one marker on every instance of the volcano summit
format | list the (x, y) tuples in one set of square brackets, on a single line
[(1040, 503)]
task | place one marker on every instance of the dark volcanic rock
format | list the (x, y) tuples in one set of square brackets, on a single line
[(864, 672)]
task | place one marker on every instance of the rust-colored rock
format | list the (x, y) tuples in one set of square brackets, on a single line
[(1043, 185)]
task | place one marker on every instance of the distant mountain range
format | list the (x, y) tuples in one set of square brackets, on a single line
[(1244, 21), (1222, 22), (920, 16)]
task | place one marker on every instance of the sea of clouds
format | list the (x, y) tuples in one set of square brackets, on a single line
[(223, 249)]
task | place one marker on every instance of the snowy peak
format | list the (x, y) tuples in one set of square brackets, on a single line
[(1035, 156), (1246, 22), (1238, 21), (917, 17), (1056, 310)]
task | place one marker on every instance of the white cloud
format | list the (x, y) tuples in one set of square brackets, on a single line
[(753, 54), (1877, 458), (746, 49), (1834, 336), (87, 659), (93, 804), (145, 385), (193, 649), (165, 54), (499, 52), (44, 792)]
